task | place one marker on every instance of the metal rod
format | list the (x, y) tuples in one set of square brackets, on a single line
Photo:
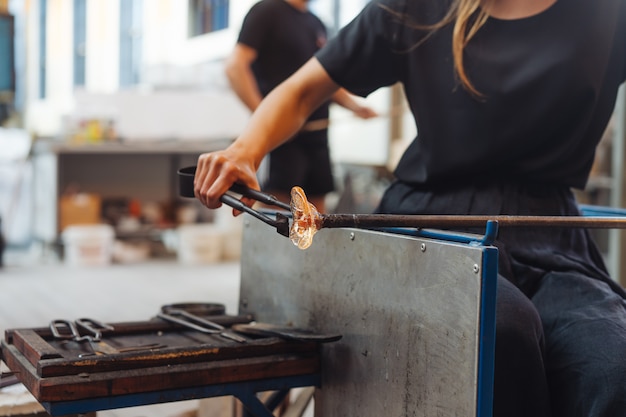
[(444, 221)]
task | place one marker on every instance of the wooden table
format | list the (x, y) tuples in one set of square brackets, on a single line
[(67, 378)]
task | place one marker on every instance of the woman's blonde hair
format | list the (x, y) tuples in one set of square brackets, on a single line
[(468, 17), (464, 30)]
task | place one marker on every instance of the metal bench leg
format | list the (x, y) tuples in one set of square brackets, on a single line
[(253, 405)]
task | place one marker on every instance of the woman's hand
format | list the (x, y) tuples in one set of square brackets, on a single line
[(280, 115), (217, 171)]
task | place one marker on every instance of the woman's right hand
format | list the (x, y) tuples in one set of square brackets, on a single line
[(217, 171)]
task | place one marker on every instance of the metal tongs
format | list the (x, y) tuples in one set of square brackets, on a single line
[(280, 222), (200, 324), (602, 219)]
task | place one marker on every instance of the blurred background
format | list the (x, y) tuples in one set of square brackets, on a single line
[(102, 101)]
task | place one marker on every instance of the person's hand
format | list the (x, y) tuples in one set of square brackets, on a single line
[(217, 171), (365, 112)]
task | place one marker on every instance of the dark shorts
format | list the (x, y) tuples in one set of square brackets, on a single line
[(303, 161)]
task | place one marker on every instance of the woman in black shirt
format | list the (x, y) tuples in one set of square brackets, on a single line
[(510, 99)]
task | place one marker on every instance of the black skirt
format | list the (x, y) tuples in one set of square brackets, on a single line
[(526, 254)]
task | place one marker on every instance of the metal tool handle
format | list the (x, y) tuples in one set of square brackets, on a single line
[(94, 327), (57, 327), (259, 196), (281, 223), (186, 323), (194, 322)]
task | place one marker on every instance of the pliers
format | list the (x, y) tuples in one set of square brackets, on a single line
[(280, 222)]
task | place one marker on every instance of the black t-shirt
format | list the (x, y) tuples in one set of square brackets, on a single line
[(284, 38), (549, 84)]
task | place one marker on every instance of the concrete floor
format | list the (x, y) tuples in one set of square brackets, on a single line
[(34, 292)]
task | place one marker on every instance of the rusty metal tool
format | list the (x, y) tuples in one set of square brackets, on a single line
[(198, 323), (95, 327), (68, 330), (446, 221), (306, 221), (285, 332)]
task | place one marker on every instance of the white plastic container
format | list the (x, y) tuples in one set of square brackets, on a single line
[(200, 243), (88, 245)]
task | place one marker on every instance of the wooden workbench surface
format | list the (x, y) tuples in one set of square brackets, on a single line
[(59, 370)]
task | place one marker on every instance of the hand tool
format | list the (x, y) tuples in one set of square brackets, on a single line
[(318, 221), (285, 332), (95, 327), (198, 308), (280, 222), (198, 323), (69, 330)]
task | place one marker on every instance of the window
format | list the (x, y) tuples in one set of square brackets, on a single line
[(80, 37), (43, 12), (207, 16), (7, 72), (131, 29)]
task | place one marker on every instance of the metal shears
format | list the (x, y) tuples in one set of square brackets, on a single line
[(69, 330)]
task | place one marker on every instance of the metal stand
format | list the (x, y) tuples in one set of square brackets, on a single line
[(243, 391)]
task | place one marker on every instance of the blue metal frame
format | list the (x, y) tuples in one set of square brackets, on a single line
[(590, 210), (486, 350), (244, 391), (491, 232)]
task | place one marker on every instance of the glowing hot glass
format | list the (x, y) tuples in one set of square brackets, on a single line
[(306, 219)]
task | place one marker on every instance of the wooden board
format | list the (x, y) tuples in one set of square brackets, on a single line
[(55, 370)]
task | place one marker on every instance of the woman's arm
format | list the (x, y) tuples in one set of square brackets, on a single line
[(281, 114)]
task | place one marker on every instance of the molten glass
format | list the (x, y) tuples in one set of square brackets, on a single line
[(306, 219)]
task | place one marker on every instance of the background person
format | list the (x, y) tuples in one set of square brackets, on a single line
[(277, 37), (510, 99)]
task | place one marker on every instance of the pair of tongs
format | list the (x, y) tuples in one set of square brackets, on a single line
[(201, 324), (280, 222)]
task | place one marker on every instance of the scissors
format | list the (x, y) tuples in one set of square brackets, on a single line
[(69, 330)]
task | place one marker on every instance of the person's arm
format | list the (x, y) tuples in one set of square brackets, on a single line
[(281, 114), (239, 73), (345, 99)]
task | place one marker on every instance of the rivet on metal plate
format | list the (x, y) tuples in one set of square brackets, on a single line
[(352, 236), (423, 247), (476, 268)]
